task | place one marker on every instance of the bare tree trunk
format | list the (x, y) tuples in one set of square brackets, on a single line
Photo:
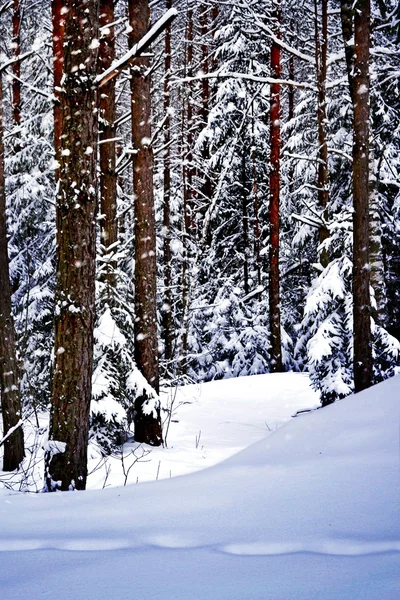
[(9, 380), (16, 67), (167, 308), (361, 278), (147, 427), (206, 188), (321, 51), (108, 176), (346, 15), (187, 174), (245, 221), (58, 63), (256, 208), (291, 98), (66, 455), (274, 184)]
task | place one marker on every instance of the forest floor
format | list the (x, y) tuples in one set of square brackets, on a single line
[(308, 511)]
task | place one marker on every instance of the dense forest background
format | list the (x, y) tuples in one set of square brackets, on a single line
[(221, 181)]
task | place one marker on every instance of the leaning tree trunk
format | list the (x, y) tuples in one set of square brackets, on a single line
[(361, 266), (147, 426), (108, 176), (9, 384), (66, 454), (274, 183)]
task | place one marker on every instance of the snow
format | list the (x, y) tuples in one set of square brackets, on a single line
[(308, 511)]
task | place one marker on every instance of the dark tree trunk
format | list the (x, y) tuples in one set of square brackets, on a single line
[(187, 175), (256, 204), (66, 455), (321, 51), (167, 308), (291, 99), (274, 184), (346, 15), (16, 68), (9, 381), (108, 176), (206, 188), (361, 277), (58, 63), (245, 221), (147, 429)]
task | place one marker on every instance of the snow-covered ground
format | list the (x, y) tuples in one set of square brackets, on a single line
[(308, 511)]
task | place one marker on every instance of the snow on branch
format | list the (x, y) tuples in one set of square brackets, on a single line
[(15, 59), (11, 431), (137, 49), (247, 76)]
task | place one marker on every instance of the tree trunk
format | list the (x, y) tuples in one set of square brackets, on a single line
[(206, 188), (245, 221), (321, 51), (58, 63), (346, 16), (16, 67), (9, 383), (146, 346), (187, 175), (361, 277), (108, 176), (66, 454), (167, 308), (274, 184)]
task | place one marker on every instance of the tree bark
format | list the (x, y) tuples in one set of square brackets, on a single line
[(361, 266), (321, 51), (245, 221), (167, 305), (108, 176), (9, 380), (16, 67), (206, 188), (66, 454), (346, 15), (58, 63), (187, 176), (274, 184), (147, 430)]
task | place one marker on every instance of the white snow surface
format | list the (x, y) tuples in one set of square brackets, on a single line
[(310, 511)]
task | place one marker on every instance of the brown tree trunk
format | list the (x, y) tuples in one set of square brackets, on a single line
[(346, 16), (321, 51), (66, 455), (187, 175), (9, 381), (58, 63), (245, 221), (256, 208), (206, 188), (147, 427), (108, 176), (361, 277), (167, 308), (274, 184), (16, 67), (291, 98)]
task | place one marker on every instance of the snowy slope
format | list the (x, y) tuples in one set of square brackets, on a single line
[(310, 512)]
